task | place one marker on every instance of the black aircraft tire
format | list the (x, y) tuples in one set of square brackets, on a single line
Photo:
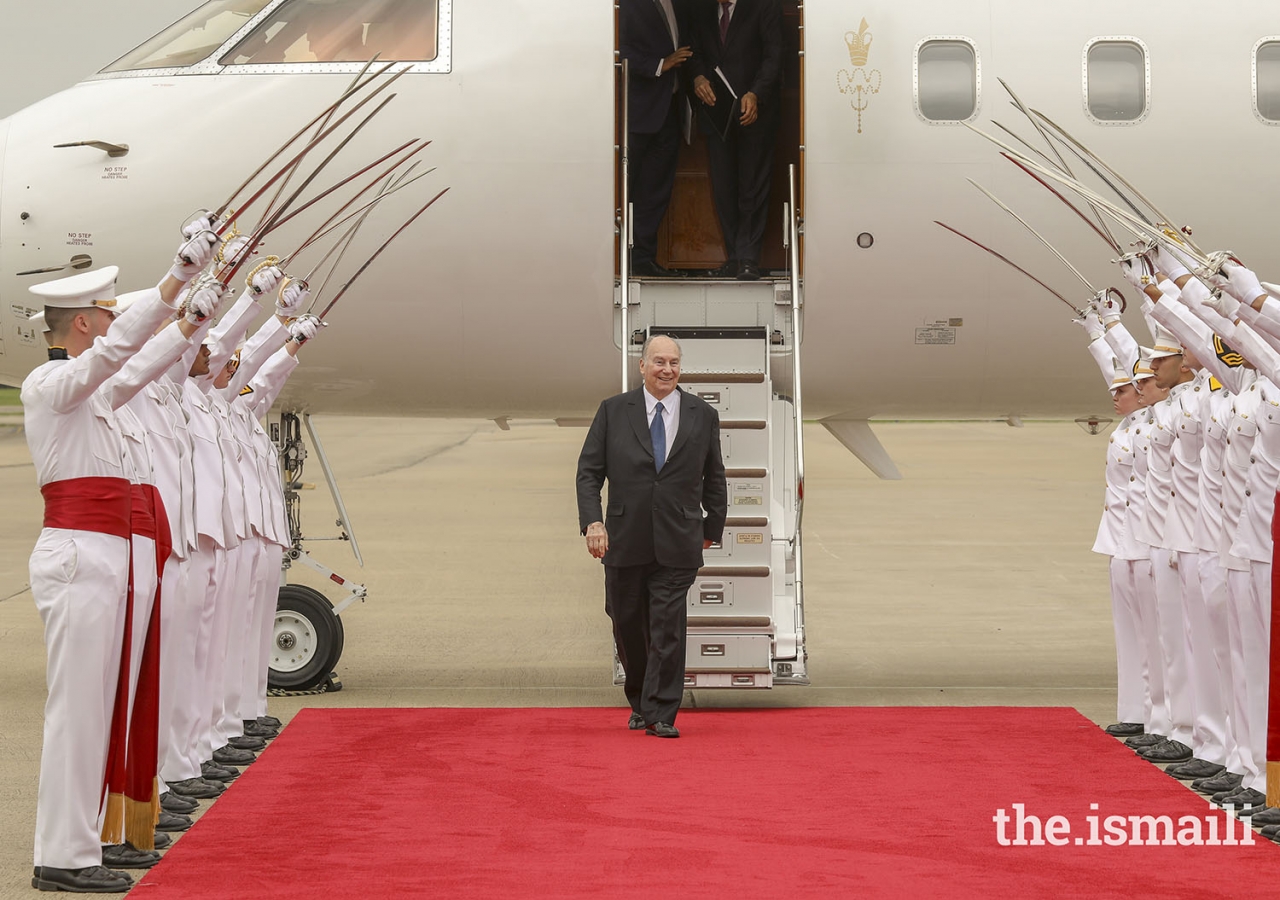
[(339, 641), (307, 637)]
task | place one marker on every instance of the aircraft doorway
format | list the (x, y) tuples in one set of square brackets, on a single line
[(690, 238)]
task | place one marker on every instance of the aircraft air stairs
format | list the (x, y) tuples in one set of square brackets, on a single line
[(740, 355)]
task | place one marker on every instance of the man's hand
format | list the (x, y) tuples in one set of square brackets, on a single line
[(597, 540), (750, 111), (675, 60), (702, 88), (706, 543)]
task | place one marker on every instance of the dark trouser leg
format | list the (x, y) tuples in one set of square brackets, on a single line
[(722, 166), (652, 173), (626, 600), (668, 616), (755, 172)]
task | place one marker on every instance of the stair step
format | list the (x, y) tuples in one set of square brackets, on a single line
[(712, 332), (721, 377), (746, 473), (746, 522), (730, 621), (733, 572), (745, 425)]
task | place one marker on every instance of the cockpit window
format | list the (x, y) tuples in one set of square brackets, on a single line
[(192, 38), (309, 31)]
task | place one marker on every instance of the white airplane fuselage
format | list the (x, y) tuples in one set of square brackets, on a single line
[(500, 300)]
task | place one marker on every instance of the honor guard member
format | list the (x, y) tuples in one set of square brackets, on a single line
[(1197, 463), (1132, 693), (257, 398), (1172, 378), (80, 565)]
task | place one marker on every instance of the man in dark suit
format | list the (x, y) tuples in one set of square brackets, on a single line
[(659, 449), (743, 38), (649, 36)]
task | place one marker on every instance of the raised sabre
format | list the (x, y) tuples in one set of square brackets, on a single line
[(1105, 235), (1004, 259), (1052, 249), (385, 244)]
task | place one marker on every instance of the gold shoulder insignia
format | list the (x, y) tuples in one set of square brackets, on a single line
[(246, 390), (1224, 352)]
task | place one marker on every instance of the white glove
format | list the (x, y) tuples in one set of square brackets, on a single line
[(193, 256), (232, 248), (295, 294), (1170, 264), (1223, 304), (304, 328), (1109, 309), (198, 224), (203, 302), (1092, 325), (265, 281), (1135, 272), (1242, 284)]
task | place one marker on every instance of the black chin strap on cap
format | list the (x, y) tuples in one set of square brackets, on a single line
[(58, 353)]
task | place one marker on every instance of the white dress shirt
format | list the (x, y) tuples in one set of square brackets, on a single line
[(670, 414)]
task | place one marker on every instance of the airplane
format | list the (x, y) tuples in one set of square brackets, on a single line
[(507, 300)]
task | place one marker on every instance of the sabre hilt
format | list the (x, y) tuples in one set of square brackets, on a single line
[(266, 263), (197, 285)]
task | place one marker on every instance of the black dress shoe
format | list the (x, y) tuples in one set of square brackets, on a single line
[(256, 729), (1268, 816), (662, 729), (727, 269), (1218, 784), (171, 802), (197, 788), (748, 271), (230, 756), (125, 856), (1195, 768), (1242, 799), (636, 722), (1166, 752), (172, 822), (1271, 831), (1124, 729), (215, 772), (649, 269), (1145, 740), (269, 722), (161, 840), (244, 742), (89, 880)]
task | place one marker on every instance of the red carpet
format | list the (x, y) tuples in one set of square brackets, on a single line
[(829, 802)]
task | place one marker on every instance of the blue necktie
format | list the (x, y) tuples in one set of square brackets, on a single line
[(658, 434)]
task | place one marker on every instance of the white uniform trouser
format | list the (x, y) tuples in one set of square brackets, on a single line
[(1133, 694), (239, 604), (209, 567), (266, 591), (144, 600), (1173, 643), (1157, 719), (179, 626), (1249, 597), (79, 581), (1209, 730), (219, 644)]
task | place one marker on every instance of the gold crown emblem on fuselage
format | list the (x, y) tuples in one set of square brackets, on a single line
[(859, 44)]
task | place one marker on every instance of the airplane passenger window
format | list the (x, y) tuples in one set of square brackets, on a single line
[(946, 80), (307, 31), (192, 38), (1116, 81), (1266, 81)]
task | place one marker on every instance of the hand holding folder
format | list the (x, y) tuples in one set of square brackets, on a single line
[(724, 110)]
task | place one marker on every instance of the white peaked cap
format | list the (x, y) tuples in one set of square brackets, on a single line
[(1122, 375), (39, 322), (96, 288), (124, 301), (1142, 368), (1165, 344)]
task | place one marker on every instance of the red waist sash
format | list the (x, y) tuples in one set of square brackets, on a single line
[(142, 520), (103, 505)]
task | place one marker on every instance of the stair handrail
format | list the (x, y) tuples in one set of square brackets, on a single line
[(624, 230), (793, 228)]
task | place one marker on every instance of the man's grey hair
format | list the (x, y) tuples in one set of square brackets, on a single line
[(644, 352)]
